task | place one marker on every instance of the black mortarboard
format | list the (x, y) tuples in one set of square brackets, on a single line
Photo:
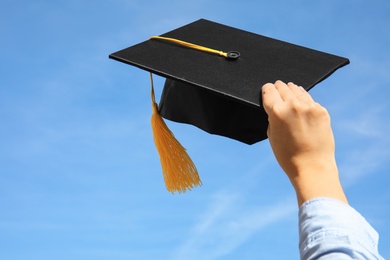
[(222, 95)]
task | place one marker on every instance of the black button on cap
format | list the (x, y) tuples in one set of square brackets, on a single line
[(233, 55)]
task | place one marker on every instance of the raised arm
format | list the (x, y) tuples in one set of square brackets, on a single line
[(302, 140)]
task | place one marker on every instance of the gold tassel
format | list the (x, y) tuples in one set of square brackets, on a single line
[(178, 169)]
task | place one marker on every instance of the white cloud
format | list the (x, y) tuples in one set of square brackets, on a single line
[(369, 123), (363, 162), (227, 224), (366, 146)]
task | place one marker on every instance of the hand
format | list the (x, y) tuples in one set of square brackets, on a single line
[(301, 137)]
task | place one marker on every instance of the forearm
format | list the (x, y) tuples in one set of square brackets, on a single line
[(317, 179)]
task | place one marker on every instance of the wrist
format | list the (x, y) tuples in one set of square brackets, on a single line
[(318, 178)]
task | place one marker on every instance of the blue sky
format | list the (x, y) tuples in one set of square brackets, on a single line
[(80, 177)]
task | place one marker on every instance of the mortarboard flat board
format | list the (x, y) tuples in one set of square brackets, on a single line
[(219, 95)]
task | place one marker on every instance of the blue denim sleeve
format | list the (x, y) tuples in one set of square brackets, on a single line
[(331, 229)]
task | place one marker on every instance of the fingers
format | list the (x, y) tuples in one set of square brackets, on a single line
[(275, 93), (300, 93), (278, 92), (270, 96), (284, 90), (281, 92)]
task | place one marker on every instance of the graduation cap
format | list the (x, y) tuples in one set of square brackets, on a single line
[(214, 75)]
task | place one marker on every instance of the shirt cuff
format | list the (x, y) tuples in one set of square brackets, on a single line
[(329, 226)]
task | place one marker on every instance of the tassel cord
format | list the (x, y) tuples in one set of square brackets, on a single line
[(191, 45)]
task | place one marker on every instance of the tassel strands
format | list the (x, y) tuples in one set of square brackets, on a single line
[(180, 173)]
